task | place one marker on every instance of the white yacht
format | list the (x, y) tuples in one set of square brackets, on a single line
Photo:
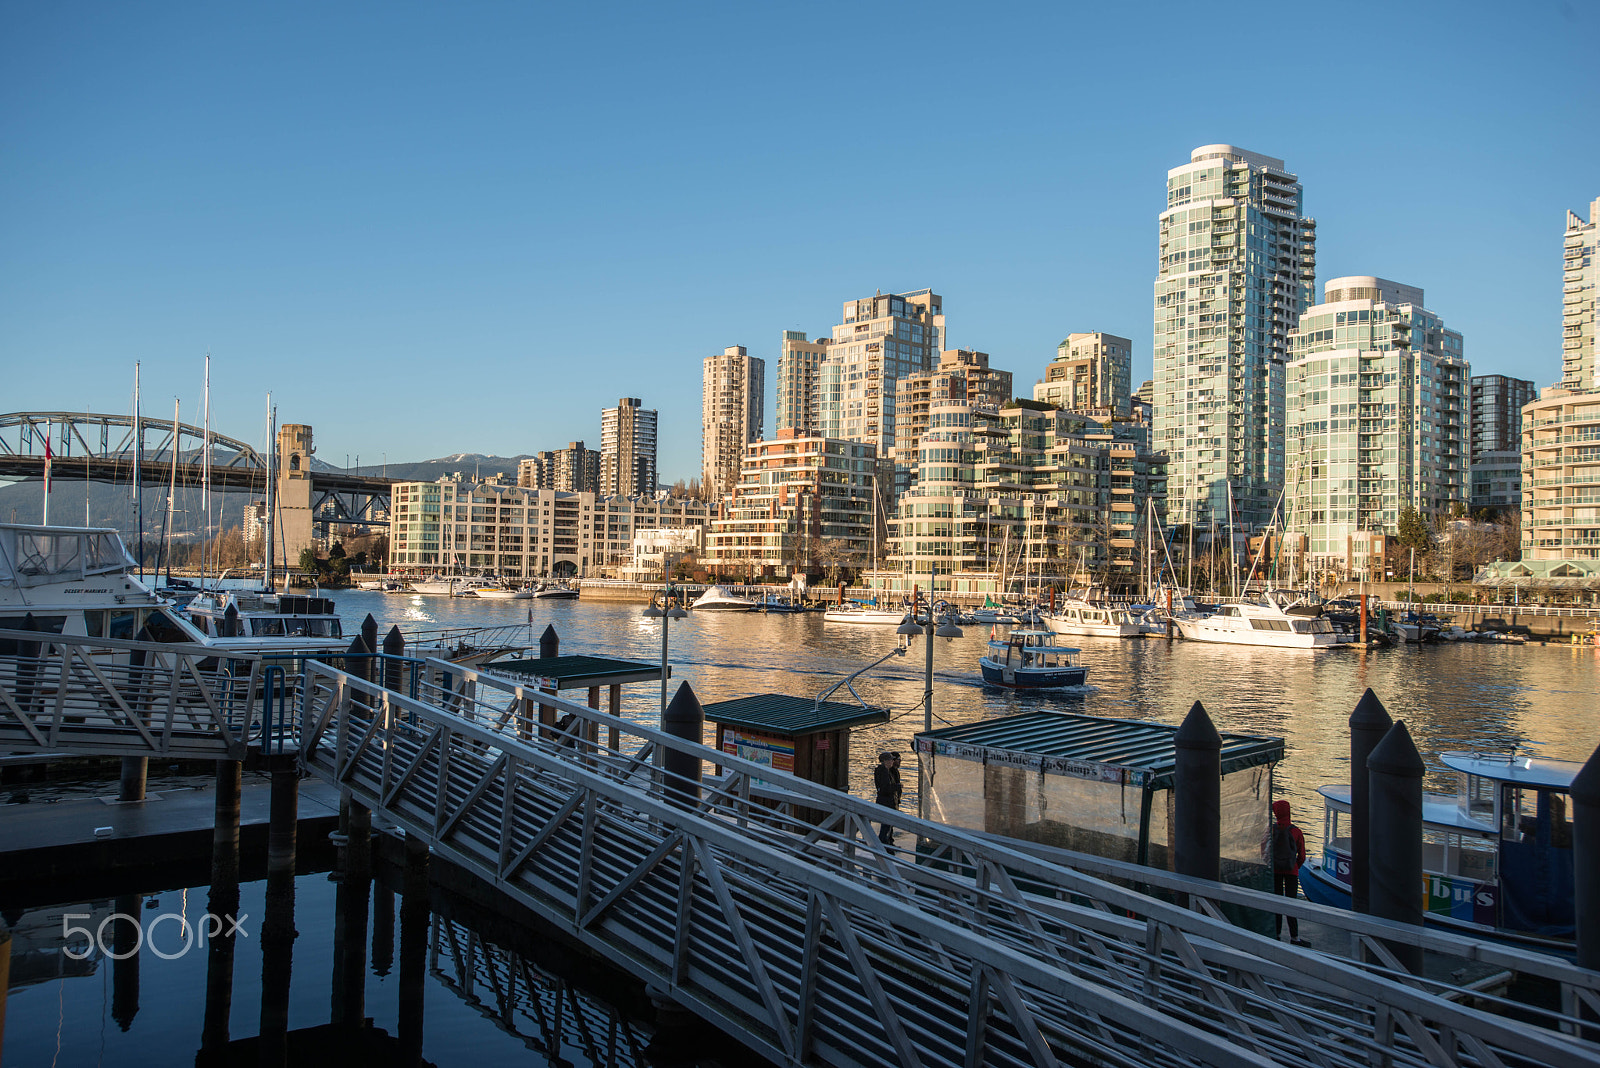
[(270, 619), (722, 599), (864, 613), (1257, 622), (1077, 616), (79, 581)]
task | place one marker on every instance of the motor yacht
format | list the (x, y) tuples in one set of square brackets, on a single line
[(1076, 616), (1260, 622), (722, 599), (871, 614)]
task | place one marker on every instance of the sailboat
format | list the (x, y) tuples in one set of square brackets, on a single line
[(861, 613)]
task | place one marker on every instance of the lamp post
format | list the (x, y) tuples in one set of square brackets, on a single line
[(666, 615), (931, 630)]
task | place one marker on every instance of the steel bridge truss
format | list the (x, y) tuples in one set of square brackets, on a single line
[(814, 943), (109, 444)]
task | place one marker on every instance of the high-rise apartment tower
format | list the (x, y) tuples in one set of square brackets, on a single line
[(1237, 268), (799, 372), (733, 391), (1580, 297), (628, 449), (881, 338), (1377, 406), (1091, 373)]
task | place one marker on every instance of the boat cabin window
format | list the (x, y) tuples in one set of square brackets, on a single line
[(121, 623), (1312, 626), (1336, 830), (1469, 856), (1269, 624), (259, 627), (1535, 816), (44, 624), (1475, 796), (163, 628)]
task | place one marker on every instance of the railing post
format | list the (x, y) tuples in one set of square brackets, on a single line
[(1395, 785), (1368, 724), (684, 719), (1197, 797)]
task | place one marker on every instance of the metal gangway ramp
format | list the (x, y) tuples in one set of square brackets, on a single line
[(766, 904), (815, 944)]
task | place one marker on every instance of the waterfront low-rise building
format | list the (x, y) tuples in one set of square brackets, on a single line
[(521, 532), (802, 505)]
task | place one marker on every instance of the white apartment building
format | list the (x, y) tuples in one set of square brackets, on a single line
[(520, 532), (1092, 372), (799, 379), (1237, 268), (803, 503), (1580, 297), (1561, 476), (880, 339), (628, 449), (1378, 405), (733, 390)]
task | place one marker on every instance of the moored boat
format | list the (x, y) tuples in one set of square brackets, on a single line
[(557, 590), (723, 599), (505, 593), (1260, 622), (1028, 660), (1497, 854), (870, 614), (1081, 618)]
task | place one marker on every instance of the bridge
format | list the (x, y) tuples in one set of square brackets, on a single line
[(104, 448), (766, 904)]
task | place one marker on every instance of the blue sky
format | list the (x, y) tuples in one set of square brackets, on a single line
[(440, 228)]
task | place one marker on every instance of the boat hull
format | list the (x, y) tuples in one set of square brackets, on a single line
[(1202, 630), (1024, 678)]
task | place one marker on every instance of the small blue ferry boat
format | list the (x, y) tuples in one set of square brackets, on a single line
[(1028, 660), (1496, 854)]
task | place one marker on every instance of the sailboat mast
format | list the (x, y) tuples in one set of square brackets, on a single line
[(270, 501), (138, 469), (1233, 563), (172, 491), (205, 477)]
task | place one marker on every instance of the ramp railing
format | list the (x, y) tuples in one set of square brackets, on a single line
[(767, 905), (111, 697)]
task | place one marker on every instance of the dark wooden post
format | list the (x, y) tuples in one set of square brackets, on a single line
[(394, 647), (1197, 797), (1586, 861), (1368, 724), (1395, 785), (684, 719), (549, 643), (126, 944)]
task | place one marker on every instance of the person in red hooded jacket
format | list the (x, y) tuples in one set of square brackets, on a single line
[(1286, 851)]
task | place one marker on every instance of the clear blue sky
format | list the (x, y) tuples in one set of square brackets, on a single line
[(469, 227)]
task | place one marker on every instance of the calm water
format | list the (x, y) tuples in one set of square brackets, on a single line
[(435, 988), (1452, 696)]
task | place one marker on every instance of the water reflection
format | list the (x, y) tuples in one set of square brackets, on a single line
[(1452, 696), (474, 986)]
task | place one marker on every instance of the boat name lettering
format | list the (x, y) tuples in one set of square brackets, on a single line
[(85, 589)]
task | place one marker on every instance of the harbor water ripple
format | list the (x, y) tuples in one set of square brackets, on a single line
[(1484, 697)]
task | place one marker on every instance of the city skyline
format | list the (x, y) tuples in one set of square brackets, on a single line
[(348, 233)]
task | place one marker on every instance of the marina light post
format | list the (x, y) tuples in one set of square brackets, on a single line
[(930, 628), (666, 614)]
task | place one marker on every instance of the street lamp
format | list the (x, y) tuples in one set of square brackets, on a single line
[(666, 615), (932, 629)]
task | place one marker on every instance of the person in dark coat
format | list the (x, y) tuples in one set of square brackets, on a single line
[(1286, 851), (886, 778)]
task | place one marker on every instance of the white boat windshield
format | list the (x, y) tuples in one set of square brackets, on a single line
[(34, 556)]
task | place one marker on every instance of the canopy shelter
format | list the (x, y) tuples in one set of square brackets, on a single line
[(555, 673), (1101, 786)]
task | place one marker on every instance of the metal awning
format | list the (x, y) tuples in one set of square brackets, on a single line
[(1132, 752), (779, 713), (569, 672)]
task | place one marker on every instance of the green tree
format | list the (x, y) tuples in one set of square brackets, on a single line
[(309, 562), (1412, 529)]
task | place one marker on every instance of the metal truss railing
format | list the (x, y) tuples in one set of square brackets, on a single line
[(770, 908), (547, 1013), (120, 698)]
